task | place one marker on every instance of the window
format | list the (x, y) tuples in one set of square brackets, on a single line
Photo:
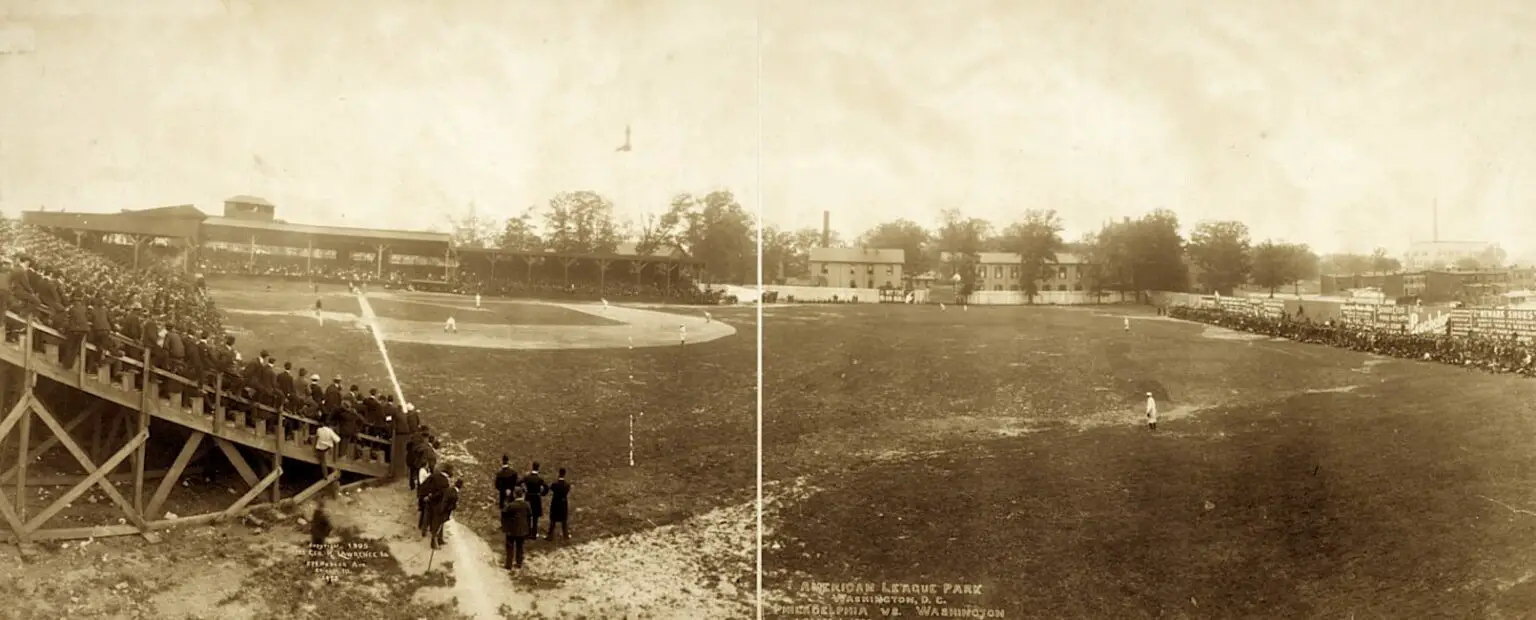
[(1013, 272), (1014, 288), (823, 268), (1061, 287), (1061, 274), (1077, 287), (890, 270), (997, 273), (871, 269), (997, 287)]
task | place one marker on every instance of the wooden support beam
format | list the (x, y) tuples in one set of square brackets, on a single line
[(312, 489), (18, 528), (140, 455), (97, 477), (251, 494), (235, 458), (168, 483), (43, 448), (277, 457), (133, 515)]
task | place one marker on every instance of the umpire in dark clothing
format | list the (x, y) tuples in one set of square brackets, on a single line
[(560, 506), (514, 524), (535, 493)]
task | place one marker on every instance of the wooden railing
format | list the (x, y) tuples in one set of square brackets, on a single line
[(196, 404)]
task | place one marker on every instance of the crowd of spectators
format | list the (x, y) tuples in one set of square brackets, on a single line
[(681, 289), (168, 316), (224, 263), (1485, 352)]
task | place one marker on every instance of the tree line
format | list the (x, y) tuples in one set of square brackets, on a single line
[(1126, 256), (712, 227)]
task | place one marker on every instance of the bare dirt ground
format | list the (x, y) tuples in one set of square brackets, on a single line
[(636, 551)]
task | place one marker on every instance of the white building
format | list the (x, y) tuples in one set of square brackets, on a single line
[(1441, 254)]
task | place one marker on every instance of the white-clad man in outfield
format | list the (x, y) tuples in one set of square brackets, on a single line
[(477, 301), (1151, 412), (451, 326), (682, 334)]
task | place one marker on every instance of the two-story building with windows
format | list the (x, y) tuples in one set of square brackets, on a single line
[(857, 267), (1000, 271)]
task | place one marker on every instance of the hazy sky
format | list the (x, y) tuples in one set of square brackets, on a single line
[(1333, 123)]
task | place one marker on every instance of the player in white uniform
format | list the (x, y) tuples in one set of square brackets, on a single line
[(477, 301), (1151, 412), (451, 326), (682, 334), (1127, 323)]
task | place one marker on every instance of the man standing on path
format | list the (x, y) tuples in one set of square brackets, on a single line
[(506, 480), (429, 498), (514, 524), (534, 484), (559, 506)]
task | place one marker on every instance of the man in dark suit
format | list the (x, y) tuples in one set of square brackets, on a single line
[(446, 503), (506, 480), (333, 395), (316, 391), (514, 524), (101, 336), (560, 506), (535, 492), (285, 385), (428, 501), (76, 329)]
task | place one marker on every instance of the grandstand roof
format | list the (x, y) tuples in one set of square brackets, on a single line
[(217, 228), (161, 222)]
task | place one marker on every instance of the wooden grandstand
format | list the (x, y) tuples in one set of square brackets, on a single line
[(124, 415)]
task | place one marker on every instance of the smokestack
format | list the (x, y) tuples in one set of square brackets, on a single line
[(826, 229)]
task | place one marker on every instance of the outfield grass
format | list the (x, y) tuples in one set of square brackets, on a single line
[(1002, 446)]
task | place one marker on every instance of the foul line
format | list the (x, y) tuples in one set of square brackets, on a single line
[(468, 580)]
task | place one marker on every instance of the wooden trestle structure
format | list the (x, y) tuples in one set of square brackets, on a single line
[(124, 414)]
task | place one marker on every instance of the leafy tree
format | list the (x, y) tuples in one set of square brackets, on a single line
[(1220, 250), (1138, 255), (1276, 264), (581, 222), (908, 236), (962, 239), (715, 229), (1382, 262), (1036, 239), (518, 234), (472, 229)]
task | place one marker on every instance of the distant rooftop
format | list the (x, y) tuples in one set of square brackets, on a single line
[(249, 200), (858, 255)]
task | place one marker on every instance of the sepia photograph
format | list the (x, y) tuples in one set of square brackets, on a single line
[(379, 310), (1148, 309), (773, 309)]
